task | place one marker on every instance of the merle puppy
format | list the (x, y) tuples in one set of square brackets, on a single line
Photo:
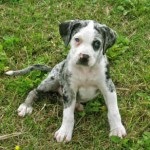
[(80, 77)]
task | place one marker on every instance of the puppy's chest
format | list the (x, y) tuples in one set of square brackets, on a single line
[(84, 78), (86, 84)]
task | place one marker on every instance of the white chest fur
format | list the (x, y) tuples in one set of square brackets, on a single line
[(85, 80)]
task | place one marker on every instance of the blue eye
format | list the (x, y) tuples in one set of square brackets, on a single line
[(77, 40), (96, 45)]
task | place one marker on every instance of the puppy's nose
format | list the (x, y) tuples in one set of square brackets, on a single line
[(83, 59), (84, 56)]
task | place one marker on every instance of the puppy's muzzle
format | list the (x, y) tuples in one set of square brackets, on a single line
[(83, 59)]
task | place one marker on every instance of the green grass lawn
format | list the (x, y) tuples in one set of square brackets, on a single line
[(29, 35)]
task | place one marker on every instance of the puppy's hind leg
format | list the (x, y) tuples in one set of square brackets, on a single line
[(49, 84), (26, 107)]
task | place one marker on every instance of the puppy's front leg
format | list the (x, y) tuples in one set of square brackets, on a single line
[(114, 118), (65, 131)]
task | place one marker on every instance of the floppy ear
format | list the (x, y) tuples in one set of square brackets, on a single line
[(66, 30), (109, 36)]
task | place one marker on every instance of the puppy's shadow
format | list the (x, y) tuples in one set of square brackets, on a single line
[(52, 97)]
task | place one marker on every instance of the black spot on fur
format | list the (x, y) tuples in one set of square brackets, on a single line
[(109, 36), (109, 82), (68, 29), (96, 45), (31, 69), (65, 98), (111, 87), (37, 65), (107, 72), (52, 78)]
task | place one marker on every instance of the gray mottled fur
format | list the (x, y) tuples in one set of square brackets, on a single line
[(31, 68)]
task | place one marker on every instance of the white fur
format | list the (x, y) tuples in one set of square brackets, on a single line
[(87, 79), (10, 73), (24, 109), (65, 131)]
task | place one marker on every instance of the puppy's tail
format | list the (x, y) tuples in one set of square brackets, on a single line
[(29, 69)]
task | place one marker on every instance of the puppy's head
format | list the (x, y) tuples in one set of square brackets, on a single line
[(88, 39)]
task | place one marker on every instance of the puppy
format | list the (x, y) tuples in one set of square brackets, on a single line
[(80, 77)]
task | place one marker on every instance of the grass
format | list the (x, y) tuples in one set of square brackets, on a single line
[(29, 35)]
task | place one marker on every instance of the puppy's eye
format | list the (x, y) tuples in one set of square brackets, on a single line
[(77, 40), (96, 44)]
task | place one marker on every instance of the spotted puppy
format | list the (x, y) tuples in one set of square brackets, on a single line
[(80, 77)]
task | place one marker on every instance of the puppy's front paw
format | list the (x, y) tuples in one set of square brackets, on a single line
[(119, 131), (24, 109), (63, 134)]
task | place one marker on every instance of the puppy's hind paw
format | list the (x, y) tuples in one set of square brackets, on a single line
[(24, 109), (79, 107)]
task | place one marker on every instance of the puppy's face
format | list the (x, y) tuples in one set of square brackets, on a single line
[(88, 40), (86, 46)]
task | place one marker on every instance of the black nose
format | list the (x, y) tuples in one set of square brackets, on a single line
[(83, 59), (84, 56)]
